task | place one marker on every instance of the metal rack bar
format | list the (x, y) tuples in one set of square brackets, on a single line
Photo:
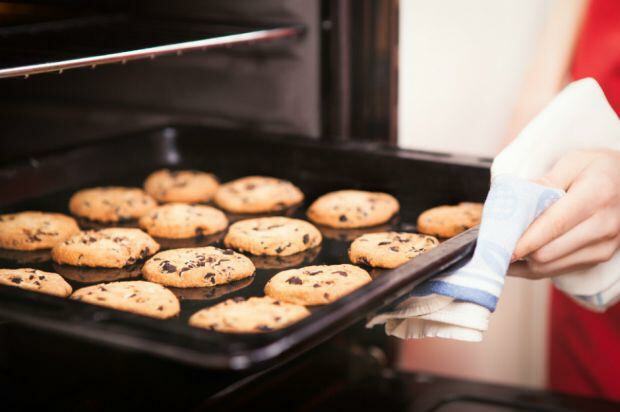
[(239, 35)]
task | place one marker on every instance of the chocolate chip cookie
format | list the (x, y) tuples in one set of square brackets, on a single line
[(182, 221), (108, 248), (255, 315), (183, 186), (35, 230), (197, 267), (316, 285), (273, 236), (389, 249), (257, 194), (448, 221), (353, 209), (111, 204), (36, 281), (136, 296)]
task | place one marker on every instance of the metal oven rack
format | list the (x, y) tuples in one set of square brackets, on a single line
[(88, 41)]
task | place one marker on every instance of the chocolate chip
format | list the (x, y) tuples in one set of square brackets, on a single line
[(314, 273), (316, 285), (326, 295), (383, 243), (294, 280), (306, 239), (341, 273), (228, 252), (160, 308), (16, 280), (343, 218), (168, 267), (394, 249)]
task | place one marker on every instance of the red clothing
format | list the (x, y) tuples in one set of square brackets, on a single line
[(598, 49), (585, 349), (584, 345)]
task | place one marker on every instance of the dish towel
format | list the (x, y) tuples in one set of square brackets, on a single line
[(458, 304)]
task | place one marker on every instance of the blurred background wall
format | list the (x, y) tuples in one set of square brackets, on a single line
[(461, 66)]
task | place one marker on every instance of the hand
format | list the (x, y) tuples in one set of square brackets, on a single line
[(582, 228)]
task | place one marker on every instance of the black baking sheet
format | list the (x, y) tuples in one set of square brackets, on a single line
[(418, 180)]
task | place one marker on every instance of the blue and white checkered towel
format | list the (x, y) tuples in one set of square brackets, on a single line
[(472, 291), (458, 305)]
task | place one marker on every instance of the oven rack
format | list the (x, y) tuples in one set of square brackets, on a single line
[(90, 41)]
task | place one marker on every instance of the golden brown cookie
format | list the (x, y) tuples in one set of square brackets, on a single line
[(389, 249), (316, 285), (182, 221), (448, 221), (257, 194), (255, 315), (107, 248), (36, 281), (111, 204), (136, 296), (183, 186), (353, 209), (35, 230), (197, 267), (273, 236)]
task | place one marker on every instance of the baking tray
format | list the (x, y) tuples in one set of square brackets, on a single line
[(419, 180)]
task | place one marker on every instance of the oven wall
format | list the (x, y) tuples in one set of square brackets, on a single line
[(271, 87)]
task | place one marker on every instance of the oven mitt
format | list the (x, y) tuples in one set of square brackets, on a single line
[(457, 305)]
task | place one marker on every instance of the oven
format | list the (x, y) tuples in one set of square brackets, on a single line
[(106, 92)]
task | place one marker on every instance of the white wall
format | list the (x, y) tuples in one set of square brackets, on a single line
[(461, 64)]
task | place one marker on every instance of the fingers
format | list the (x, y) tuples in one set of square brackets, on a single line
[(562, 216), (587, 256), (604, 225), (566, 170)]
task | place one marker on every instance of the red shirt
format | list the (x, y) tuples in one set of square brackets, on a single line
[(584, 345)]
